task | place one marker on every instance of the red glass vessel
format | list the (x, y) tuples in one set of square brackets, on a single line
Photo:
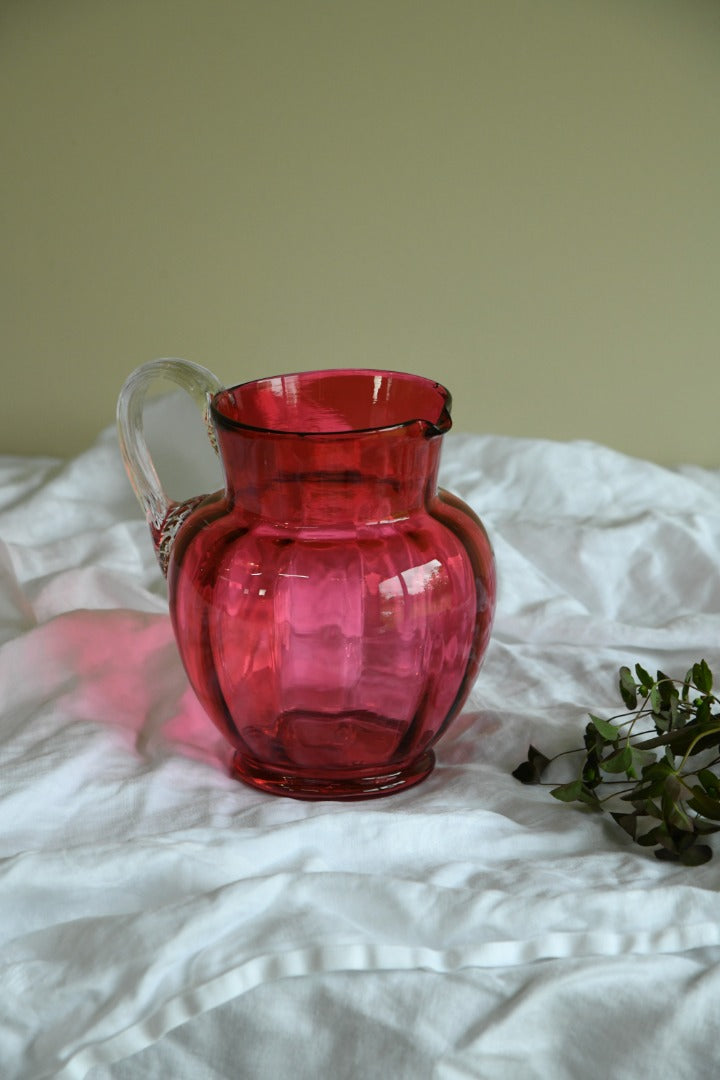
[(331, 605)]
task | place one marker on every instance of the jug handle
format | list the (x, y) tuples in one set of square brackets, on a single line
[(163, 516)]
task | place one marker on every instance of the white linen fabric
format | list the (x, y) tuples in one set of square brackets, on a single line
[(160, 919)]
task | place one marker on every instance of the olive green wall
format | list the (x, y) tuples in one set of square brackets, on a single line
[(518, 197)]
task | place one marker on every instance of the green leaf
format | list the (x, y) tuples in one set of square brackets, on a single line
[(703, 716), (667, 689), (590, 772), (640, 759), (648, 808), (589, 798), (608, 731), (568, 792), (674, 813), (662, 722), (668, 839), (702, 677), (666, 855), (627, 688), (619, 761), (628, 822), (704, 828), (646, 680), (696, 855), (673, 787), (685, 840), (531, 770), (657, 770), (643, 791), (710, 782), (655, 699), (649, 839), (704, 804)]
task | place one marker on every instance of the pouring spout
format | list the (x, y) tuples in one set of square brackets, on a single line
[(443, 422)]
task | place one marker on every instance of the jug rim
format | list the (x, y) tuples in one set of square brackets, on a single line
[(437, 426)]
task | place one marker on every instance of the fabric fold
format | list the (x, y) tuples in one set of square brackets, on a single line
[(147, 898)]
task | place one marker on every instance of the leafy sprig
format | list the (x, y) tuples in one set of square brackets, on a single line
[(653, 767)]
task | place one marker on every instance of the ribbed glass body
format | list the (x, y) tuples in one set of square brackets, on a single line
[(331, 606)]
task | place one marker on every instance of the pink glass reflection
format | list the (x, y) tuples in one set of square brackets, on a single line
[(331, 606)]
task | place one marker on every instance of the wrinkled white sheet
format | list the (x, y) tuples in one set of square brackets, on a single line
[(159, 919)]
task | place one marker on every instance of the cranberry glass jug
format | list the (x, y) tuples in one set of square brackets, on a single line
[(332, 605)]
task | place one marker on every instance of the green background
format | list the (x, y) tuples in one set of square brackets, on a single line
[(519, 198)]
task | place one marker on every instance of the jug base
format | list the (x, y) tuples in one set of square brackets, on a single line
[(334, 785)]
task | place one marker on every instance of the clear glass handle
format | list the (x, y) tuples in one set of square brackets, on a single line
[(163, 515)]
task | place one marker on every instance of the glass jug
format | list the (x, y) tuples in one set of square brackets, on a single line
[(331, 606)]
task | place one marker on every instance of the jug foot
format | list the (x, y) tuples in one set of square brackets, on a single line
[(334, 785)]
